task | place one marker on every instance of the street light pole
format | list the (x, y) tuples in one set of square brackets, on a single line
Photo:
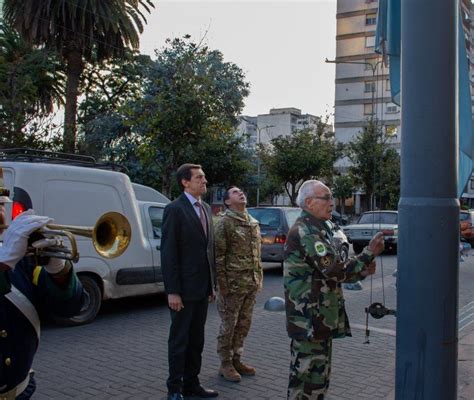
[(258, 158), (373, 68)]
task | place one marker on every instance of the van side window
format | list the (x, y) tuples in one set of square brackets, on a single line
[(156, 216)]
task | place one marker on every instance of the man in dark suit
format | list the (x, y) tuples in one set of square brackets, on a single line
[(187, 263)]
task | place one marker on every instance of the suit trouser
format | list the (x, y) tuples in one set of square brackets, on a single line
[(185, 345)]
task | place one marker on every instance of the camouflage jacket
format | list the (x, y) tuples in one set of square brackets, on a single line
[(237, 246), (313, 274)]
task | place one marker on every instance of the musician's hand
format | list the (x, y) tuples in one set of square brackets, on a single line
[(15, 238), (175, 302), (54, 265)]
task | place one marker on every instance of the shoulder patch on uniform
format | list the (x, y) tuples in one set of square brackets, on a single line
[(320, 249)]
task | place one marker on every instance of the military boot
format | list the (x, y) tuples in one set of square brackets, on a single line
[(228, 372), (242, 368)]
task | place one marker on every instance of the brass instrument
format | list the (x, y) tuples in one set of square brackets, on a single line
[(110, 236)]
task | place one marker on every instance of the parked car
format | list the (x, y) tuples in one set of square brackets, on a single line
[(368, 224), (275, 223), (466, 222), (341, 241), (78, 195), (339, 219)]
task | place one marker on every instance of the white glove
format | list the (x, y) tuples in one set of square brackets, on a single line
[(54, 265), (15, 238)]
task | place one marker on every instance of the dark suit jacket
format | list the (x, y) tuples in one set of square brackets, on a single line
[(187, 256)]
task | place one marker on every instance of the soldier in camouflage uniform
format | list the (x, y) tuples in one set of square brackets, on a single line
[(313, 273), (239, 278)]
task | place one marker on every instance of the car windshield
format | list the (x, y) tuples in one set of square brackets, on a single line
[(291, 215), (378, 218), (266, 216)]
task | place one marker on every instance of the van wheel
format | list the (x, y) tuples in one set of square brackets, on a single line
[(92, 303), (344, 253)]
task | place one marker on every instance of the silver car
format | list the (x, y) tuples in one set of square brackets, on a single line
[(371, 222)]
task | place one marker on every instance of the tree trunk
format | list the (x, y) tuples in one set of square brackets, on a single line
[(75, 66), (165, 185)]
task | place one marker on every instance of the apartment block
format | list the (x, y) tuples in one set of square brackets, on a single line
[(362, 78), (278, 122)]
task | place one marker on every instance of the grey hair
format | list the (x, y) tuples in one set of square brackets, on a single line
[(307, 190)]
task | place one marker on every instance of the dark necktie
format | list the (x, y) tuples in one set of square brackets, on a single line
[(202, 216)]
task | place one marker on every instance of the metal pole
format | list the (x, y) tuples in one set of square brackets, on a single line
[(258, 168), (428, 256)]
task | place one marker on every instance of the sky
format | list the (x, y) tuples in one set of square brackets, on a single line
[(280, 45)]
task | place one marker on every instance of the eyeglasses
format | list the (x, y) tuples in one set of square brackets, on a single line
[(325, 198)]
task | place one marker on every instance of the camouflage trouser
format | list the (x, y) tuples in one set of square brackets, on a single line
[(310, 368), (235, 310)]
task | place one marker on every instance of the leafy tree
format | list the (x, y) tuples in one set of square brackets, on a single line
[(342, 189), (191, 100), (374, 164), (389, 187), (270, 187), (224, 159), (80, 31), (31, 83), (109, 87), (305, 154)]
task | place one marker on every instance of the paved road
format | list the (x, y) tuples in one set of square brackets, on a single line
[(122, 355)]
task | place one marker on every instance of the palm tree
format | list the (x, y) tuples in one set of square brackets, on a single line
[(81, 31), (31, 84)]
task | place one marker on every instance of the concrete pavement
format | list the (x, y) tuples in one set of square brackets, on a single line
[(122, 355)]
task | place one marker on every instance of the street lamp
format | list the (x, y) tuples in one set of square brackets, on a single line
[(259, 130), (373, 67)]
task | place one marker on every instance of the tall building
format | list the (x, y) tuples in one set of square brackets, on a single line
[(362, 79), (278, 122)]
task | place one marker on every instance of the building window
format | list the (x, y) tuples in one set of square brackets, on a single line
[(391, 108), (369, 41), (371, 19), (387, 84), (391, 130), (368, 109), (369, 87), (472, 183)]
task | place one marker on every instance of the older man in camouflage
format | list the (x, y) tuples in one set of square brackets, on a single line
[(239, 278), (313, 273)]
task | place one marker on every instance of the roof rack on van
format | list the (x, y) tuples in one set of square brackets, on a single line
[(55, 157)]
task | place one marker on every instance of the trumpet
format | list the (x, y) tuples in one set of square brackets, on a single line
[(110, 236)]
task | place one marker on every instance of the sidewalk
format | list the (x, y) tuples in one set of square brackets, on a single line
[(123, 354)]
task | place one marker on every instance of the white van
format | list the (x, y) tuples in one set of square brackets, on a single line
[(79, 195)]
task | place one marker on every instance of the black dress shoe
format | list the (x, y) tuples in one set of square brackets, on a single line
[(175, 396), (200, 392)]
